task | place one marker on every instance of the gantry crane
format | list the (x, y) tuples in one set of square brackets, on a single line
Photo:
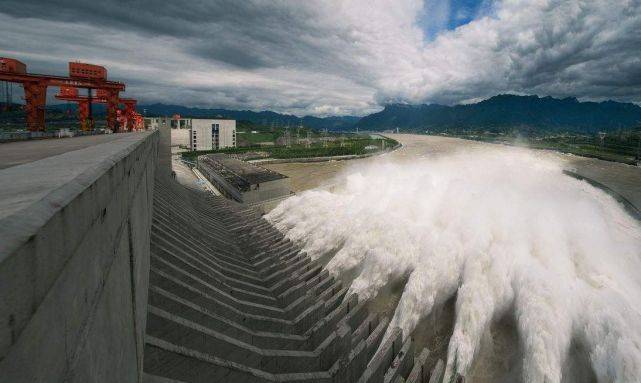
[(126, 120), (81, 75)]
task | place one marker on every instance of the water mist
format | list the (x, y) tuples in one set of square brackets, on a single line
[(500, 229)]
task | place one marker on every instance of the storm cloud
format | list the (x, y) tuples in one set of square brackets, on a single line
[(336, 57)]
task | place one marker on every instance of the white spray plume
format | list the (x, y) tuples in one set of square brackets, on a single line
[(502, 229)]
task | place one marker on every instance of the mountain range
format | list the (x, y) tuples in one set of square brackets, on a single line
[(498, 113), (506, 112), (264, 117)]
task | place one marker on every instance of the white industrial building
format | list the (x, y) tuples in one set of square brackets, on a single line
[(196, 133), (212, 134)]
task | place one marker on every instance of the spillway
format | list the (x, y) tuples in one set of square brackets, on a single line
[(230, 299)]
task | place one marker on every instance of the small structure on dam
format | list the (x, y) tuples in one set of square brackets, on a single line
[(243, 181)]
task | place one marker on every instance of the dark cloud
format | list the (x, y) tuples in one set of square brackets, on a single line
[(334, 56)]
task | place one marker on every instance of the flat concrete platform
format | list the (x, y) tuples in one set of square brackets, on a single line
[(22, 152), (33, 190)]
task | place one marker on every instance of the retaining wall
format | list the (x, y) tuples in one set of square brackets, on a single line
[(74, 261)]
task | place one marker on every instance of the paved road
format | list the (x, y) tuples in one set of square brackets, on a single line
[(185, 176), (623, 179), (22, 152)]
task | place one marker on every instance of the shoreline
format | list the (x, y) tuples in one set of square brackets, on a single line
[(507, 143), (268, 161)]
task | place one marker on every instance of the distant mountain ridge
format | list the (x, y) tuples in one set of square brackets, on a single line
[(498, 113), (264, 117), (504, 112)]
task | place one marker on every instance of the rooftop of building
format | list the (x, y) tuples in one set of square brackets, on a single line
[(239, 174)]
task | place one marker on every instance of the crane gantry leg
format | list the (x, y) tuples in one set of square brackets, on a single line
[(83, 114), (112, 107), (35, 94)]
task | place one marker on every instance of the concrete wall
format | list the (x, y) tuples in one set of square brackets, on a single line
[(156, 122), (227, 133), (164, 151), (181, 123), (180, 137), (200, 138), (74, 261), (268, 190), (207, 139)]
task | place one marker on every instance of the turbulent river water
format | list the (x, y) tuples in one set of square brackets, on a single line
[(502, 233)]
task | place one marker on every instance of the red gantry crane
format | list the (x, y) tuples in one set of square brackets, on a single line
[(126, 120), (81, 75)]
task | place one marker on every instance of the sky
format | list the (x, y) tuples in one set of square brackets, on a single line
[(336, 57)]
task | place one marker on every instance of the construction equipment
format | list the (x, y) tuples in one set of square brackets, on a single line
[(126, 120), (81, 75)]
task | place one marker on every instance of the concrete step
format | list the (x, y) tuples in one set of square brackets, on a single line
[(205, 232), (224, 252), (165, 274), (243, 300), (210, 319), (222, 296), (232, 300), (148, 378), (298, 325), (182, 332), (169, 361), (249, 291)]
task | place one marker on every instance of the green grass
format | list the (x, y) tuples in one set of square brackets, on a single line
[(254, 138), (617, 148), (350, 147)]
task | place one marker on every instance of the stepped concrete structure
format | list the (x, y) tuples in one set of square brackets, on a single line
[(242, 181), (111, 271)]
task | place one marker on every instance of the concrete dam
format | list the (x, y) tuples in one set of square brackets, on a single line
[(111, 271)]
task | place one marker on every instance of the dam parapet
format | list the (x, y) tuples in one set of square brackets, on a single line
[(74, 260)]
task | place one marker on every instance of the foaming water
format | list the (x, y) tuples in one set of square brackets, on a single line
[(502, 230)]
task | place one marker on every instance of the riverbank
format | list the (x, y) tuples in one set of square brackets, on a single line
[(267, 161), (611, 149), (334, 148)]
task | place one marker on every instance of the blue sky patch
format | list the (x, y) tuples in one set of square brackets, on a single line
[(444, 15)]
